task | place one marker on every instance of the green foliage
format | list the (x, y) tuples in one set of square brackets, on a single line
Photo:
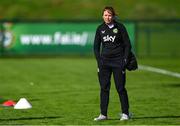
[(66, 91), (88, 9)]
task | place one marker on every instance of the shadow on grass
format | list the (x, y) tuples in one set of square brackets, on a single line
[(149, 117), (156, 117), (175, 85), (30, 118)]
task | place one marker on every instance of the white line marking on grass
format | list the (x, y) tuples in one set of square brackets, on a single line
[(158, 70)]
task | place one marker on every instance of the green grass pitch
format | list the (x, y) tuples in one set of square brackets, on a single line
[(66, 91)]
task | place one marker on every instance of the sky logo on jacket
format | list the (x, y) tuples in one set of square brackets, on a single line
[(109, 38)]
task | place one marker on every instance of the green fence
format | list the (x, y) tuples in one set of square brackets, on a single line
[(26, 38), (158, 38)]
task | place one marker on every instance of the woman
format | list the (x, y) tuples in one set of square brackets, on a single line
[(112, 48)]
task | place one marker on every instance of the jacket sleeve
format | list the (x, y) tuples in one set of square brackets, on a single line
[(127, 43), (97, 45)]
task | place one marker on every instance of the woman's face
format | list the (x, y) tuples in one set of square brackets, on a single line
[(107, 16)]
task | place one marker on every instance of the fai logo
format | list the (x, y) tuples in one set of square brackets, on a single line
[(8, 39), (115, 30), (109, 38)]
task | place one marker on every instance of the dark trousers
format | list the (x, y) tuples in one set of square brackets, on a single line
[(104, 74)]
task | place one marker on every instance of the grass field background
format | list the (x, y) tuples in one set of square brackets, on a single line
[(66, 91)]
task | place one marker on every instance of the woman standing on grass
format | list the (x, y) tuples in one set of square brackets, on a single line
[(112, 48)]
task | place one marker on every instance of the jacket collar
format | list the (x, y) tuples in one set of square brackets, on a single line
[(114, 22)]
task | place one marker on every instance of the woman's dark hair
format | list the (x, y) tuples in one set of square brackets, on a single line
[(110, 10)]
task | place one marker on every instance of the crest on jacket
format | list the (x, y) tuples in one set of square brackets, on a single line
[(115, 30)]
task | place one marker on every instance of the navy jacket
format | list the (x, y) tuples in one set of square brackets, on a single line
[(111, 42)]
